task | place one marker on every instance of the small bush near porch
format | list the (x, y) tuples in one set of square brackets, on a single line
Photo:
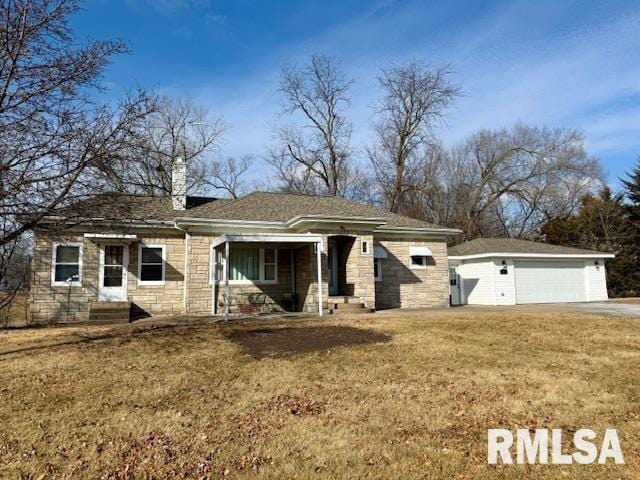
[(406, 395)]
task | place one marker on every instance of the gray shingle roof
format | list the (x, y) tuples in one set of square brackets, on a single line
[(122, 206), (481, 246), (281, 207), (257, 206)]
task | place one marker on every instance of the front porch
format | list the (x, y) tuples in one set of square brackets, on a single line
[(313, 273)]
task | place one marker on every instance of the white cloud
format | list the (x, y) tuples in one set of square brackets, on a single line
[(525, 62)]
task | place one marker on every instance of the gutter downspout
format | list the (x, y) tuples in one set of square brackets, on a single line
[(187, 236)]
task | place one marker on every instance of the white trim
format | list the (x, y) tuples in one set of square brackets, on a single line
[(185, 273), (152, 283), (124, 288), (533, 255), (417, 267), (227, 288), (319, 268), (77, 283), (418, 230), (218, 222), (421, 251), (267, 238), (300, 219), (111, 236), (378, 262), (261, 280), (363, 250)]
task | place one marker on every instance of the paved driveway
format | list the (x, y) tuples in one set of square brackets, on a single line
[(616, 309)]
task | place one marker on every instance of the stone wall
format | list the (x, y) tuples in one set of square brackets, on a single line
[(406, 287), (166, 299), (401, 285), (355, 269), (71, 304), (306, 277), (61, 304)]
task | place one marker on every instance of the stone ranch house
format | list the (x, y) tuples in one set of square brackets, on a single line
[(123, 256)]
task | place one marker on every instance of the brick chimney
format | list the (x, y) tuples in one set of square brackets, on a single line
[(179, 184)]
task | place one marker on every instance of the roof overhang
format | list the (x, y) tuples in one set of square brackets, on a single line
[(121, 237), (102, 221), (267, 238), (556, 256), (429, 231), (318, 221)]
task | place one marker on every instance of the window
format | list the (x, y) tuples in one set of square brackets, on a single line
[(364, 247), (67, 264), (377, 269), (269, 264), (253, 265), (151, 264), (418, 261), (217, 265)]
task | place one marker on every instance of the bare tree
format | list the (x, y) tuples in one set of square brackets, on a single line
[(227, 175), (52, 130), (506, 182), (313, 156), (415, 100), (178, 128)]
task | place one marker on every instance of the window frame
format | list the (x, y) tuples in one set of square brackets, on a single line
[(363, 250), (54, 254), (378, 277), (152, 283), (422, 266), (261, 268)]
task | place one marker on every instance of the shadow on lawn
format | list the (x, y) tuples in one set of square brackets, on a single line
[(282, 342)]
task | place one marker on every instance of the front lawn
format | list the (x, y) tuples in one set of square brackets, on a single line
[(383, 396)]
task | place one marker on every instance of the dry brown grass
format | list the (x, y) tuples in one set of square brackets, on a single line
[(134, 402)]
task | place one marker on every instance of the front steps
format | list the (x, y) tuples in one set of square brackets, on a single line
[(110, 312), (344, 304)]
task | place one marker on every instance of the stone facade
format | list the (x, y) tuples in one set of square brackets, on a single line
[(71, 304), (405, 287), (401, 285)]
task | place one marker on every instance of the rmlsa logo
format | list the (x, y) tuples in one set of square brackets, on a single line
[(536, 448)]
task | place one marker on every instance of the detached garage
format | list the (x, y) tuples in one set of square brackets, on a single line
[(502, 271)]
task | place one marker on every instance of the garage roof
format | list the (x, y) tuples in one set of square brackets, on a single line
[(483, 247)]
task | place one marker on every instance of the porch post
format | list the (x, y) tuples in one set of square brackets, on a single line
[(227, 294), (214, 280), (319, 267)]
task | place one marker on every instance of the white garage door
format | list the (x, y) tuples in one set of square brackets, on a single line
[(550, 281)]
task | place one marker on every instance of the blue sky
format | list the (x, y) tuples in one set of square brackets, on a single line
[(554, 63)]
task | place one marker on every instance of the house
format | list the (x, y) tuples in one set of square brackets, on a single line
[(120, 255), (502, 271)]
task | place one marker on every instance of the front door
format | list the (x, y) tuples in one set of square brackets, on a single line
[(112, 286), (333, 270)]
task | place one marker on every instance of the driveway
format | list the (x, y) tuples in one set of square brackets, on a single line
[(610, 308)]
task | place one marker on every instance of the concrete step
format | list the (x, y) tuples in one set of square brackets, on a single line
[(109, 318), (346, 306), (95, 306), (110, 312), (343, 299)]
